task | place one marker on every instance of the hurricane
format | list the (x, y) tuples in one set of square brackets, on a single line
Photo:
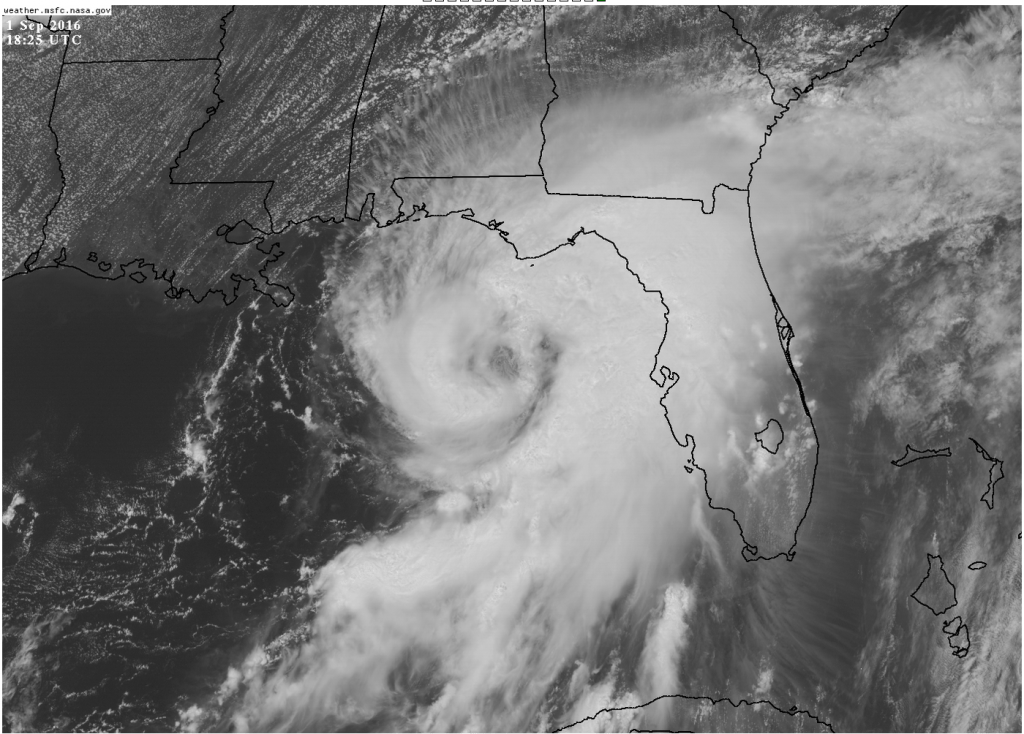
[(550, 493), (529, 363), (563, 368)]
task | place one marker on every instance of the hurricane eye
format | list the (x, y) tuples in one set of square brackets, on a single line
[(503, 362)]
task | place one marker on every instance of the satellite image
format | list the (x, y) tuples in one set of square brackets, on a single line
[(512, 366)]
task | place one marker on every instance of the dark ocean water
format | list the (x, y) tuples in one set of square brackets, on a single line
[(133, 576), (97, 362), (95, 372), (95, 377), (133, 580)]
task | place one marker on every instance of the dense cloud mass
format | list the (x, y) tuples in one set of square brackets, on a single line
[(550, 499), (561, 366), (543, 502)]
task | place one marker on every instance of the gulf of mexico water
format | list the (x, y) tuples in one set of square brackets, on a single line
[(96, 365), (166, 490), (94, 380)]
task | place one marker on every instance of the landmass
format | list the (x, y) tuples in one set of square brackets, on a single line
[(911, 455), (203, 146), (977, 565), (793, 58), (206, 178), (957, 635), (995, 473), (702, 42), (770, 437), (228, 167), (936, 591), (703, 713)]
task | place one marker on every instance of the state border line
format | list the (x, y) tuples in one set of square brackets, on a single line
[(783, 328), (29, 264)]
